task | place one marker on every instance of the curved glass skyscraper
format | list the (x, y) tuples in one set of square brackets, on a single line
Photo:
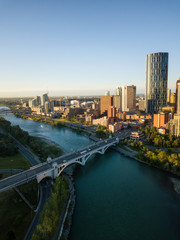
[(156, 81)]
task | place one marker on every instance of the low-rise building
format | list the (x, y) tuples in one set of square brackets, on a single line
[(89, 118), (162, 130), (114, 127), (72, 111), (169, 109), (160, 119), (104, 121), (136, 135)]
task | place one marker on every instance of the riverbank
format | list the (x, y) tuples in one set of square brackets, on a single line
[(176, 184), (66, 220), (132, 154), (54, 144)]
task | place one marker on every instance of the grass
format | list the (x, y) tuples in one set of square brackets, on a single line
[(67, 120), (16, 161), (15, 215)]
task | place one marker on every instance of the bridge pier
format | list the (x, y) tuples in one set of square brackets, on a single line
[(55, 170)]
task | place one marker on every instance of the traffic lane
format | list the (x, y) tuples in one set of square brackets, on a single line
[(88, 150), (27, 154), (45, 186), (35, 171), (23, 176)]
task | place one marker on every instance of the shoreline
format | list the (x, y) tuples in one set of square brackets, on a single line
[(174, 180), (52, 143), (176, 184)]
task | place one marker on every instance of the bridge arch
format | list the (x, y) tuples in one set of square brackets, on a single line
[(82, 160)]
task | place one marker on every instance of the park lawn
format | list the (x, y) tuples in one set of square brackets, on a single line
[(17, 161), (15, 215), (66, 120)]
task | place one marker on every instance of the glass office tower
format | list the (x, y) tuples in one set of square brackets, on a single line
[(156, 81)]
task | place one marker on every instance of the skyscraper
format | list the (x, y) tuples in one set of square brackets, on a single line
[(177, 97), (106, 102), (44, 98), (156, 81), (128, 98), (118, 91), (117, 102), (168, 95), (107, 93)]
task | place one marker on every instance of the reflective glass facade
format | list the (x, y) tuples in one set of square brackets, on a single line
[(156, 81)]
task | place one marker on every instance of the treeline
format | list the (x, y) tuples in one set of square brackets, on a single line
[(53, 209), (165, 160), (6, 146), (42, 149), (15, 131), (158, 140)]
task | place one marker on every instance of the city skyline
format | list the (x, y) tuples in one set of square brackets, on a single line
[(84, 49)]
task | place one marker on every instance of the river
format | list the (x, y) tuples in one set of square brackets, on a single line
[(117, 197)]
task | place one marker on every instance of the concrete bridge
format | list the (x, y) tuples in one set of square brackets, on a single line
[(5, 111), (53, 167)]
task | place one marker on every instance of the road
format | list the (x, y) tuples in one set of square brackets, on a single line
[(31, 157), (11, 170), (31, 173), (45, 188)]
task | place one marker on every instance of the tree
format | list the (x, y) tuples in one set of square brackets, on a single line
[(175, 143)]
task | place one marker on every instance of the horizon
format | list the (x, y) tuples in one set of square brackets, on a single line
[(76, 48)]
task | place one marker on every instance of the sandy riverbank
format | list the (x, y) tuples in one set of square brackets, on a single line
[(176, 184)]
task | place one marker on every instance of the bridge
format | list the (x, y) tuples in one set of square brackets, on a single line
[(3, 110), (53, 167)]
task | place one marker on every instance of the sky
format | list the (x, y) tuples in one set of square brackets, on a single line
[(84, 47)]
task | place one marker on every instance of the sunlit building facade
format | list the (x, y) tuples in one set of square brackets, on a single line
[(156, 81)]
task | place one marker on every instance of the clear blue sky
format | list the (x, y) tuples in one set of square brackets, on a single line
[(84, 46)]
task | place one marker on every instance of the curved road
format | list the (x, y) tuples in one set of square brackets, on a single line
[(45, 188)]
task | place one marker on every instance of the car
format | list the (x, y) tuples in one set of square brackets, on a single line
[(64, 161), (83, 152)]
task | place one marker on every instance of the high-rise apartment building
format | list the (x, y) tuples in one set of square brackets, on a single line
[(128, 98), (142, 105), (32, 103), (118, 91), (175, 123), (44, 98), (160, 119), (111, 112), (168, 95), (177, 103), (173, 99), (156, 81), (106, 102), (117, 102), (107, 93)]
